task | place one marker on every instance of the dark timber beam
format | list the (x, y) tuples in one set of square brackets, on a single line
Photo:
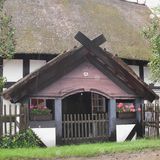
[(25, 67), (86, 42)]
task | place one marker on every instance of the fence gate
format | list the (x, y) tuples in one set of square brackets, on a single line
[(84, 127), (13, 118), (150, 120)]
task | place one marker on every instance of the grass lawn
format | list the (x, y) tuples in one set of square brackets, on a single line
[(80, 150)]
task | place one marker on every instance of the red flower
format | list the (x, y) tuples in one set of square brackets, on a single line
[(120, 105)]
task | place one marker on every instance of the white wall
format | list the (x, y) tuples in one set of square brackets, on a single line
[(139, 1), (122, 132), (13, 69), (47, 135), (147, 77), (135, 68), (35, 64)]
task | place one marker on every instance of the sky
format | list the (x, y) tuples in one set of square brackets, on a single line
[(149, 3), (152, 3)]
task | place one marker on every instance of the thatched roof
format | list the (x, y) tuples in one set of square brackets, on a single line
[(48, 26)]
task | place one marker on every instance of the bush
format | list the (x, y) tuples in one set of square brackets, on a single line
[(23, 139)]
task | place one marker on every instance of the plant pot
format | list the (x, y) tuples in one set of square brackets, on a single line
[(47, 117), (126, 115)]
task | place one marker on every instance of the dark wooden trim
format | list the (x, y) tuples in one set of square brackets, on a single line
[(26, 63), (135, 62), (35, 56), (9, 84), (141, 72)]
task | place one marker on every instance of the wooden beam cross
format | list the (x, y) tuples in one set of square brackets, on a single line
[(90, 44)]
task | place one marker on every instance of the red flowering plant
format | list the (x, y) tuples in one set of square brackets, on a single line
[(39, 110), (127, 107)]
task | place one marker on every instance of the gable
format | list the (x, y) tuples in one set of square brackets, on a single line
[(84, 78), (111, 66)]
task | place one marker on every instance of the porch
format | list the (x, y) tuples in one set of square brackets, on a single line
[(84, 117)]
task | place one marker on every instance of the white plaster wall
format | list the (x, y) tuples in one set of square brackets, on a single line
[(47, 135), (13, 69), (135, 69), (147, 76), (122, 131), (35, 64)]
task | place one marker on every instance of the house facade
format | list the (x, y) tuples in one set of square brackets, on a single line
[(46, 28)]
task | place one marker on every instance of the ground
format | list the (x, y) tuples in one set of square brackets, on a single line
[(143, 155)]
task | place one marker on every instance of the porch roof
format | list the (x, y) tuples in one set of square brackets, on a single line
[(65, 62)]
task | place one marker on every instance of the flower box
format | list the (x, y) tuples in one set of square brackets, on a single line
[(126, 115), (46, 117)]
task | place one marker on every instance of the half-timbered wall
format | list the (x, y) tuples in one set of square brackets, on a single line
[(15, 69)]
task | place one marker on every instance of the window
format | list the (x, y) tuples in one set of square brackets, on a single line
[(98, 103), (41, 109)]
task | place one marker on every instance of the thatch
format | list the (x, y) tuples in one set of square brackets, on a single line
[(48, 26)]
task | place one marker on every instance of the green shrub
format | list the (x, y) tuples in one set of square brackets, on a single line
[(23, 139)]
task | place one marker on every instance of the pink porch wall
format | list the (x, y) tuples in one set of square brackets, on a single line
[(76, 81)]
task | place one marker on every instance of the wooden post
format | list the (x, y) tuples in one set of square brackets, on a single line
[(112, 119), (138, 103), (143, 119), (58, 120)]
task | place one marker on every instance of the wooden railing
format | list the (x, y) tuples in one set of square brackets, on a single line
[(151, 120), (13, 118), (77, 127)]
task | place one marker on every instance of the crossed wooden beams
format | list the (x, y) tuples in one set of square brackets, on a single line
[(90, 44)]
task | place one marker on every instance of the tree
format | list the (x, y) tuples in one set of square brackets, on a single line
[(152, 33), (7, 41)]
